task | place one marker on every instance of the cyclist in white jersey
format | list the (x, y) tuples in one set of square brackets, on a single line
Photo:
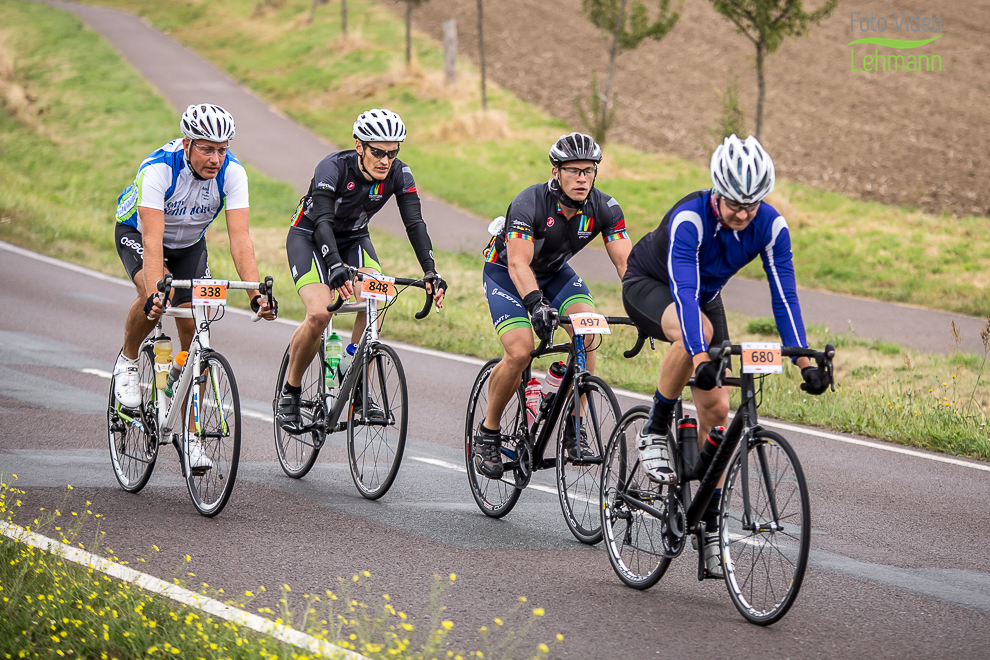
[(162, 219)]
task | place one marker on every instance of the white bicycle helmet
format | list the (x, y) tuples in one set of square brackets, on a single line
[(379, 126), (205, 121), (741, 170)]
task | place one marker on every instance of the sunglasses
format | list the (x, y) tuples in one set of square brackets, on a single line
[(735, 207), (381, 153)]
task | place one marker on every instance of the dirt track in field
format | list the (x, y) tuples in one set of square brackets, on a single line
[(909, 138)]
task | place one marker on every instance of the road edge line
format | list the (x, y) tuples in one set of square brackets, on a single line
[(180, 594)]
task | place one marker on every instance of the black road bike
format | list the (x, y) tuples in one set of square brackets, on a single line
[(376, 438), (764, 514), (584, 401)]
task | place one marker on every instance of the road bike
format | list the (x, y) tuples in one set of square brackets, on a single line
[(374, 386), (584, 401), (764, 514), (204, 406)]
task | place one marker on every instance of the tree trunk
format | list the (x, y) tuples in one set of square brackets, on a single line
[(612, 55), (450, 50), (409, 8), (481, 50), (761, 86), (343, 16)]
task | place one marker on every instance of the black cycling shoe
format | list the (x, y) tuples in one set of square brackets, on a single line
[(288, 414), (488, 453), (571, 447), (373, 411)]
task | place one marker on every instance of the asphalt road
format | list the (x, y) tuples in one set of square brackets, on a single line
[(897, 565)]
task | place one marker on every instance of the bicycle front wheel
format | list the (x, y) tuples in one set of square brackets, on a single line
[(298, 453), (495, 497), (579, 472), (632, 536), (132, 435), (376, 421), (215, 410), (765, 544)]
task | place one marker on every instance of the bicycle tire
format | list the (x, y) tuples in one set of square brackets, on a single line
[(298, 453), (579, 482), (780, 555), (218, 428), (495, 497), (632, 538), (375, 452), (133, 449)]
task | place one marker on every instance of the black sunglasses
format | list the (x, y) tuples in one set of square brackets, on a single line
[(381, 153), (736, 207)]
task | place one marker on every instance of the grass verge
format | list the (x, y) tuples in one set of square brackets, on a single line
[(55, 608), (56, 201)]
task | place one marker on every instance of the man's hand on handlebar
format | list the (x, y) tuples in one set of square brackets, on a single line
[(435, 286), (542, 315), (339, 280), (706, 375), (816, 379), (259, 305), (153, 307)]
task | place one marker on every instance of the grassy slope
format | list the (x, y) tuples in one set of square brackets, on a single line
[(68, 153)]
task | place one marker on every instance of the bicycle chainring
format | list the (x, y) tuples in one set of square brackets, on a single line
[(523, 472), (673, 526)]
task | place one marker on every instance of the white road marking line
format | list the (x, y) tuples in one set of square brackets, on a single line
[(539, 374), (98, 372), (459, 468), (180, 595)]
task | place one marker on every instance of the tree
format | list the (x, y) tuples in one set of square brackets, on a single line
[(410, 5), (626, 24), (481, 50), (766, 23)]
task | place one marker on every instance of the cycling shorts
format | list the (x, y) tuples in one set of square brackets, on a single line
[(562, 289), (306, 263), (183, 263), (646, 299)]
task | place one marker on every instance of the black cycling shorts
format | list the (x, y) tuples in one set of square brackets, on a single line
[(645, 300), (184, 263), (307, 265)]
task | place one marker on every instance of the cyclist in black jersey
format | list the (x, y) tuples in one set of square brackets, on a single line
[(527, 279), (329, 233)]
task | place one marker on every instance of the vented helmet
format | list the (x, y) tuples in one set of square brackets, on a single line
[(205, 121), (741, 170), (379, 126), (576, 146)]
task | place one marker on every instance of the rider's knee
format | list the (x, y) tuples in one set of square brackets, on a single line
[(718, 410), (319, 318)]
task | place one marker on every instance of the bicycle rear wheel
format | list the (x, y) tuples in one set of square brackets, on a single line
[(765, 556), (632, 537), (579, 480), (215, 407), (495, 497), (298, 453), (375, 446), (132, 434)]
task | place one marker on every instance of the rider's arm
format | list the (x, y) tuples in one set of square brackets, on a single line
[(519, 253), (778, 264), (617, 242), (411, 212), (241, 247), (686, 234), (520, 248), (152, 233)]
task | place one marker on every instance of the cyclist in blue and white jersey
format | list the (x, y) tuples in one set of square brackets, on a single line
[(672, 290), (528, 281), (162, 219)]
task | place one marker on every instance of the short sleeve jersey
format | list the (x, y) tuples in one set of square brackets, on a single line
[(535, 215), (356, 199), (165, 182)]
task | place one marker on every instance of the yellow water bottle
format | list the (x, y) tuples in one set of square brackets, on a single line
[(163, 360)]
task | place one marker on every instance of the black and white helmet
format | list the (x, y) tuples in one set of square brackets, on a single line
[(576, 146), (741, 170), (379, 126), (205, 121)]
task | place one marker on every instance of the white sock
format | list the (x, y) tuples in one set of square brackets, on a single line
[(123, 362)]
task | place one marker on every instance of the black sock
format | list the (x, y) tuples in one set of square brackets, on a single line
[(290, 389), (487, 431), (660, 414), (710, 517)]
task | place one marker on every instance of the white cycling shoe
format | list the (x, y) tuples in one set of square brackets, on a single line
[(713, 559), (655, 457), (196, 457), (127, 385)]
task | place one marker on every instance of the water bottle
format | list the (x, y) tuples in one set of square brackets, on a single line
[(687, 446), (346, 359), (173, 375), (163, 360), (534, 395), (712, 443), (334, 350), (555, 374)]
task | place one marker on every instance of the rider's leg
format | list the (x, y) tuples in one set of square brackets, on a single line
[(507, 374), (137, 326), (361, 318), (306, 339)]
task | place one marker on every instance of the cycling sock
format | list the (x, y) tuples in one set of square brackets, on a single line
[(487, 431), (290, 389), (660, 414), (122, 363), (710, 516)]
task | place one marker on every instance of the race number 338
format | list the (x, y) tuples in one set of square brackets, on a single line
[(209, 293), (761, 358)]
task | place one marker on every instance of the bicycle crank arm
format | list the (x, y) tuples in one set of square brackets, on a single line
[(642, 506)]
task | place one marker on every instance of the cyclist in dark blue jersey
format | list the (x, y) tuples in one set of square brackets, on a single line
[(528, 282), (329, 233), (672, 291)]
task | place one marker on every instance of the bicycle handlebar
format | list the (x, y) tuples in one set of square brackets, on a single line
[(400, 281), (727, 349), (546, 347)]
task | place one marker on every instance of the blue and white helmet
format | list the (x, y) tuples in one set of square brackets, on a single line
[(741, 170), (205, 121), (379, 126)]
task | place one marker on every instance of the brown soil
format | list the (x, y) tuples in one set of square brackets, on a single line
[(916, 139)]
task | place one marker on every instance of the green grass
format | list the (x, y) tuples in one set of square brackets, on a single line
[(64, 163)]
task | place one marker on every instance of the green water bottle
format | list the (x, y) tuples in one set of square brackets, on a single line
[(334, 351)]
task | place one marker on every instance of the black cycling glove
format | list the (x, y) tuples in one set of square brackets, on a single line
[(150, 302), (542, 315), (256, 304), (816, 380), (436, 282), (706, 375), (338, 275)]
